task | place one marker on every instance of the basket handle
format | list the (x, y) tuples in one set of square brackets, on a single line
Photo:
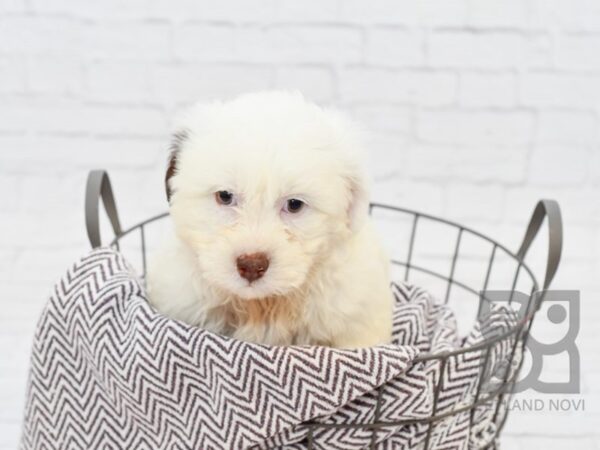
[(99, 187), (545, 209)]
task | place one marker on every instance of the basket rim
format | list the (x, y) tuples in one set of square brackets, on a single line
[(373, 205)]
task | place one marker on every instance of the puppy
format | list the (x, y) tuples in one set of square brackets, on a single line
[(272, 242)]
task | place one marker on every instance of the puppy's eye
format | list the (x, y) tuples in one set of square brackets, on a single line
[(293, 205), (225, 198)]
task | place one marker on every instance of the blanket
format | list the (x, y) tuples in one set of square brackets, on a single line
[(109, 371)]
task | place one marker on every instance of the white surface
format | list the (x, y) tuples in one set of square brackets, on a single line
[(478, 108)]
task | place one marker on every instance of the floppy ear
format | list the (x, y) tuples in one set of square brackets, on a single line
[(358, 206), (179, 137)]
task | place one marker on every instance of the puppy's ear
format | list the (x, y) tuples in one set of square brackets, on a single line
[(358, 206), (179, 137)]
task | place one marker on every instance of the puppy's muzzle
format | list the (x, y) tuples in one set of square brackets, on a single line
[(252, 267)]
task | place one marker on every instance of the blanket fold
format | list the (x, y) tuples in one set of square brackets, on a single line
[(108, 371)]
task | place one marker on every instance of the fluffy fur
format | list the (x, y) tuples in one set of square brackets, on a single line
[(327, 282)]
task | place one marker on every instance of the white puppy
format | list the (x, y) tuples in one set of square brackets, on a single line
[(273, 241)]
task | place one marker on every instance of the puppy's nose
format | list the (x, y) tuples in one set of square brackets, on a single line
[(252, 267)]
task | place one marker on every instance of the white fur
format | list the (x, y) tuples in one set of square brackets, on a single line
[(325, 261)]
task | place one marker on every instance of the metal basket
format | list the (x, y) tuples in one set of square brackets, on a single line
[(99, 187)]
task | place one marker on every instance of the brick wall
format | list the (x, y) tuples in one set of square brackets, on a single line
[(477, 108)]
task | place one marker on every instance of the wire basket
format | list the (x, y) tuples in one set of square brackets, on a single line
[(415, 259)]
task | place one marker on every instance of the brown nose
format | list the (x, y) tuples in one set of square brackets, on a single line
[(252, 267)]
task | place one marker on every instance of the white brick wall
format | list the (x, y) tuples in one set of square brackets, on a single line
[(477, 108)]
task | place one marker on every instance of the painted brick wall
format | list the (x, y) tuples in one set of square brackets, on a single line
[(477, 108)]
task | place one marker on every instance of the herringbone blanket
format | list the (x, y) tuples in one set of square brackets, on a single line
[(109, 372)]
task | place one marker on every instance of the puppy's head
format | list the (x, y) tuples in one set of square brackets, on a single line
[(261, 188)]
